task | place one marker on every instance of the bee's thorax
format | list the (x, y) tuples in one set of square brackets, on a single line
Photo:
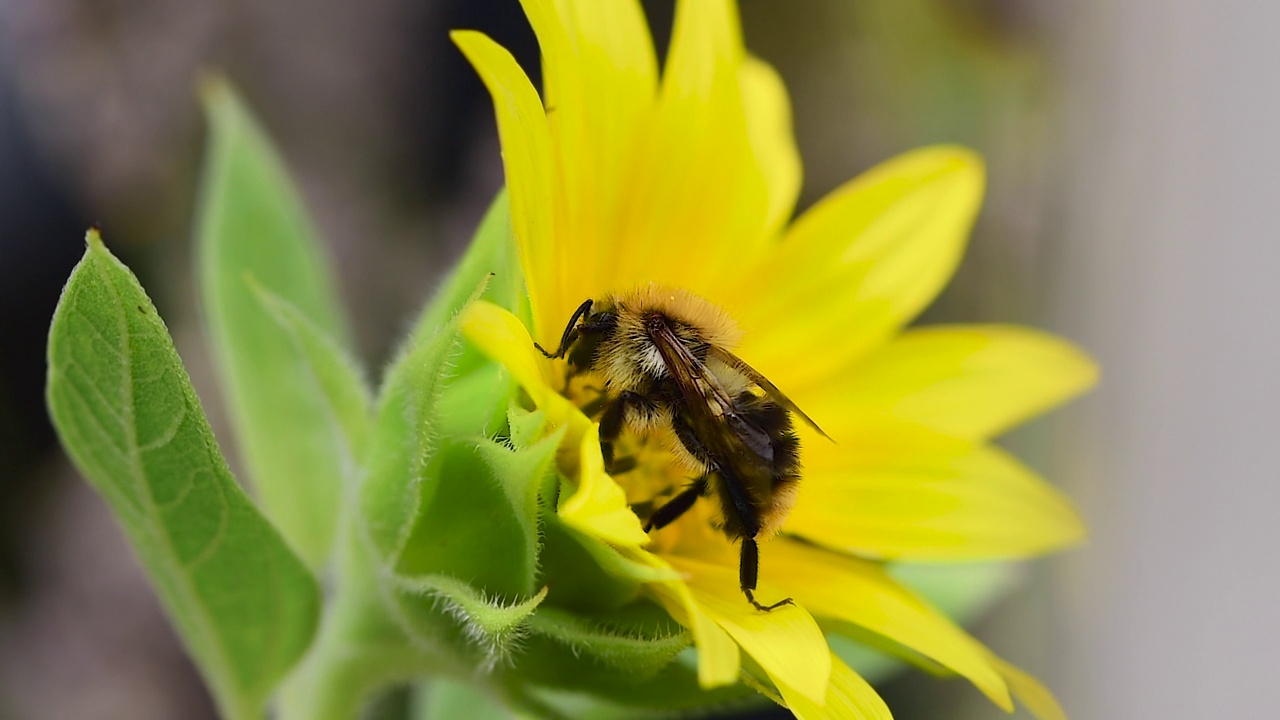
[(630, 360)]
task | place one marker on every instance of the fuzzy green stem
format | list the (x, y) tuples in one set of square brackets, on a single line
[(358, 649)]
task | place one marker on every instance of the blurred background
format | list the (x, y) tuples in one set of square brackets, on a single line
[(1134, 152)]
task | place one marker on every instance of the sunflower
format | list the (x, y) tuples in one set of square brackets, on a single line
[(621, 179)]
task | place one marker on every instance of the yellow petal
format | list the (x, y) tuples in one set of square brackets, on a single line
[(1032, 695), (600, 81), (786, 642), (599, 506), (527, 159), (909, 495), (501, 336), (857, 591), (768, 113), (698, 198), (968, 381), (857, 266), (718, 657), (849, 697)]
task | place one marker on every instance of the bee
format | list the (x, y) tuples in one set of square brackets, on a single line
[(665, 361)]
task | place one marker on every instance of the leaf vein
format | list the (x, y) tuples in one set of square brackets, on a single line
[(169, 433), (77, 394), (79, 376), (97, 332), (215, 542)]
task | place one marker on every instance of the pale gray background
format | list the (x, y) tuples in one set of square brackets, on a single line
[(1169, 270)]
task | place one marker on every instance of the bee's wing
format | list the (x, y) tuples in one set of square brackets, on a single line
[(742, 454), (711, 407), (769, 388), (697, 386)]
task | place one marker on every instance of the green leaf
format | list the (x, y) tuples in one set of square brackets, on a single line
[(337, 377), (358, 647), (123, 405), (252, 223)]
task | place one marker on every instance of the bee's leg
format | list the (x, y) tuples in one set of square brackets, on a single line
[(748, 570), (676, 506), (611, 429), (594, 407), (689, 440)]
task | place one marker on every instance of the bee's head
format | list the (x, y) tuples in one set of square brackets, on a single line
[(596, 327)]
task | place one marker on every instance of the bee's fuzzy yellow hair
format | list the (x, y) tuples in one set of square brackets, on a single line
[(713, 324)]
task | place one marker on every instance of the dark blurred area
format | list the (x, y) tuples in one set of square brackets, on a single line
[(391, 138)]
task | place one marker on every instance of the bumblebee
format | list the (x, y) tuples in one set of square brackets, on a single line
[(664, 359)]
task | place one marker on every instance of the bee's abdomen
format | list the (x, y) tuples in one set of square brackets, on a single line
[(756, 485), (775, 422)]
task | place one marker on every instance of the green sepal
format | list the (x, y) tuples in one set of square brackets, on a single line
[(439, 509), (638, 640), (436, 386), (472, 404), (634, 656), (474, 401), (245, 605), (444, 609), (467, 526), (591, 689), (525, 427), (252, 221), (521, 474), (403, 458), (579, 571), (562, 704), (586, 574)]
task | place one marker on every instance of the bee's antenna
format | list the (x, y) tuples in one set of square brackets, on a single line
[(568, 337)]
